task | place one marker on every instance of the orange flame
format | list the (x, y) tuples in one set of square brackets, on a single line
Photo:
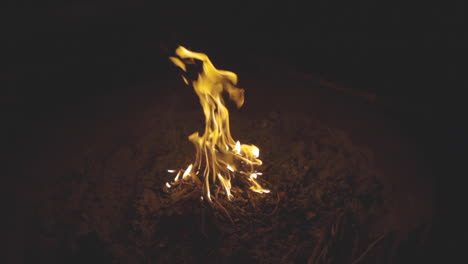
[(218, 156)]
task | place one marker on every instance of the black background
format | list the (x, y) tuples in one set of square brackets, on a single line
[(58, 55), (62, 52)]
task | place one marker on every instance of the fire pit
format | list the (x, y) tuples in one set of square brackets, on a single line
[(317, 197)]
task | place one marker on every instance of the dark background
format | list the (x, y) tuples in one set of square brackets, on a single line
[(60, 55), (67, 51)]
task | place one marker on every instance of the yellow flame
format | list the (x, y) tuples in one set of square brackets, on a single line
[(226, 184), (187, 172), (218, 156), (237, 148), (177, 176)]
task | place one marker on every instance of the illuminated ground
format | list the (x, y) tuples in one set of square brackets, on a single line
[(96, 177)]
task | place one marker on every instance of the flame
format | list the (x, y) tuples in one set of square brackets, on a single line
[(218, 156), (187, 172)]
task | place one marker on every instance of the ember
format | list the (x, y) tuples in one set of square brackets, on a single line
[(219, 157)]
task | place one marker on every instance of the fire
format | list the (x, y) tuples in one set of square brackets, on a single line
[(219, 158)]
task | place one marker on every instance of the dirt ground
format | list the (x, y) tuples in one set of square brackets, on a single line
[(348, 182)]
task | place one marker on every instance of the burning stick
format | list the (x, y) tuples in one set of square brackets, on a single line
[(219, 158)]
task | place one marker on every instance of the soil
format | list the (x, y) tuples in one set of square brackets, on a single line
[(337, 168)]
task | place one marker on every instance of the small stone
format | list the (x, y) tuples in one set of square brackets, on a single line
[(310, 215)]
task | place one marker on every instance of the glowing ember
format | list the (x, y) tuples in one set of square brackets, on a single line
[(219, 157)]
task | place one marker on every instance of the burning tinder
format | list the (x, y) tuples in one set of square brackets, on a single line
[(220, 160)]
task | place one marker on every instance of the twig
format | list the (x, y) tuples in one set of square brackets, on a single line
[(276, 206), (363, 95), (224, 210), (317, 250), (330, 132), (290, 251), (368, 249)]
